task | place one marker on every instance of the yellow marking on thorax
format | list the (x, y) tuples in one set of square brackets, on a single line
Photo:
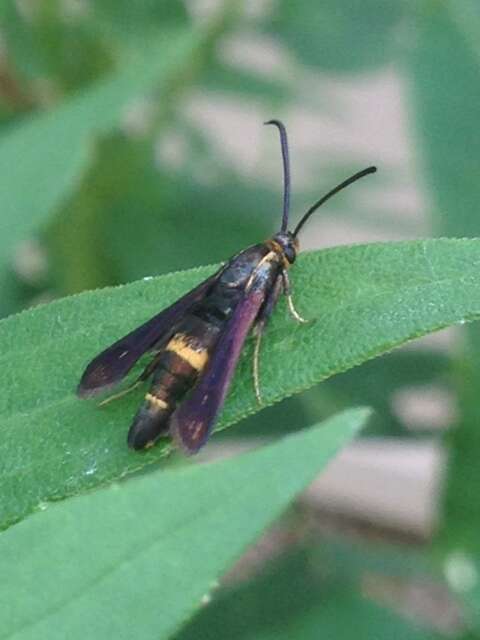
[(278, 249), (196, 358), (273, 245), (269, 257), (157, 402)]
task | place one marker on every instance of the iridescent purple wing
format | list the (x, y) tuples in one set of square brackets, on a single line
[(192, 422), (113, 364)]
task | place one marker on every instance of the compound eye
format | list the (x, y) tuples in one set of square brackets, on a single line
[(290, 254)]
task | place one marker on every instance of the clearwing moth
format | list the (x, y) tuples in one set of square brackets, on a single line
[(197, 341)]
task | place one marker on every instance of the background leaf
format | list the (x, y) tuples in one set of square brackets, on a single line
[(43, 44), (32, 188), (339, 36), (298, 597), (99, 546), (125, 202), (448, 153)]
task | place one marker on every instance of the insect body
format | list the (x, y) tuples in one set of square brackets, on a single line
[(197, 341)]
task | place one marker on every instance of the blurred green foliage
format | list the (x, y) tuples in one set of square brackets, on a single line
[(298, 596), (107, 176)]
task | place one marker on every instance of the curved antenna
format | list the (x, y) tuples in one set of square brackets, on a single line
[(342, 185), (286, 171)]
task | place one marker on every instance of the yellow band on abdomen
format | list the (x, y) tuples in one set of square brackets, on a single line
[(196, 358), (157, 402)]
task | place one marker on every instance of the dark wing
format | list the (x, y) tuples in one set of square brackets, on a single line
[(113, 364), (191, 423)]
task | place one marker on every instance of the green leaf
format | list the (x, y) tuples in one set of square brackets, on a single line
[(223, 78), (55, 147), (444, 58), (337, 36), (374, 384), (41, 43), (363, 301), (462, 569), (377, 382), (134, 20), (297, 598), (139, 557), (445, 67)]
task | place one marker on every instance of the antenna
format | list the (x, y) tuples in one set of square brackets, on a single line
[(286, 171), (342, 185)]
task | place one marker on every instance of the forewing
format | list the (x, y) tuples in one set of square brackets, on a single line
[(191, 423), (113, 364)]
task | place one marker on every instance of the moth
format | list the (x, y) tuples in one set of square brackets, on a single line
[(197, 341)]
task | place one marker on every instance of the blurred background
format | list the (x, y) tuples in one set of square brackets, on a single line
[(132, 145)]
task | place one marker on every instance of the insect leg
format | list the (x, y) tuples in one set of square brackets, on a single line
[(288, 292), (256, 354), (260, 324), (116, 396), (146, 373)]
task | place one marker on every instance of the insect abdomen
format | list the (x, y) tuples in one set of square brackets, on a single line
[(178, 366)]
